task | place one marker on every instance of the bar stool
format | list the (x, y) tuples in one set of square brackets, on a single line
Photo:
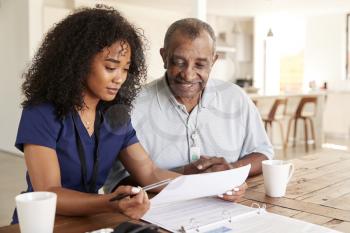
[(276, 114), (300, 113)]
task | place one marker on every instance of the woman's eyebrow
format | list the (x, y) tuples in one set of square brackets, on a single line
[(112, 60), (115, 61)]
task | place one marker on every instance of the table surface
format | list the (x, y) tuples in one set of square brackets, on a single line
[(319, 192)]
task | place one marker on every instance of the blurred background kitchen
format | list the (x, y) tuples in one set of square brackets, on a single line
[(284, 53)]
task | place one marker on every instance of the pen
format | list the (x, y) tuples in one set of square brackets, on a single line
[(146, 188)]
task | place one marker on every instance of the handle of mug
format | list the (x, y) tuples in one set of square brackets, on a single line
[(291, 171)]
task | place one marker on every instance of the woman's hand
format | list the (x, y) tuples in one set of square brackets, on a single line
[(235, 194), (134, 206)]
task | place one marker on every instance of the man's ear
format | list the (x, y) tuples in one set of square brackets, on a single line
[(215, 58), (163, 54)]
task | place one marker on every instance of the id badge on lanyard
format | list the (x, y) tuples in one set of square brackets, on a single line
[(195, 151)]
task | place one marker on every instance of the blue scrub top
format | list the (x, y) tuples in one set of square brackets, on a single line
[(40, 125)]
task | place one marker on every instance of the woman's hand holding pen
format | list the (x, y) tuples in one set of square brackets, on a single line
[(133, 206), (133, 201)]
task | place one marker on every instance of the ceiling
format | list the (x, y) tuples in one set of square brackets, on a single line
[(250, 7), (240, 8)]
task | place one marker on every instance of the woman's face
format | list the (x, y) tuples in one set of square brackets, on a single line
[(109, 70)]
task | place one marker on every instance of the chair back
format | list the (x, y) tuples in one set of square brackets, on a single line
[(279, 106), (305, 101)]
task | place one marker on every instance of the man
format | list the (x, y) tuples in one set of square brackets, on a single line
[(190, 123)]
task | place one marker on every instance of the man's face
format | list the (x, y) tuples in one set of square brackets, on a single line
[(188, 63)]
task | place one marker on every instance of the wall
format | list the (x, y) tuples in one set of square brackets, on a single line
[(325, 50), (14, 47), (336, 115), (324, 46), (53, 15), (325, 61), (154, 23), (23, 24), (234, 33), (266, 54)]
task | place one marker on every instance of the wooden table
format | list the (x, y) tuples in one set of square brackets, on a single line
[(319, 192)]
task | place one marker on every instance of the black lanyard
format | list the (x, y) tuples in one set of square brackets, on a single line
[(89, 186)]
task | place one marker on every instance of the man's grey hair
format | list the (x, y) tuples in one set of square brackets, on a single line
[(190, 27)]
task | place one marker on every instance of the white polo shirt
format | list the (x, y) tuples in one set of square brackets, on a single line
[(226, 121)]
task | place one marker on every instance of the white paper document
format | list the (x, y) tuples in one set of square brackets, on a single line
[(187, 205), (193, 213), (201, 185), (213, 215), (264, 222)]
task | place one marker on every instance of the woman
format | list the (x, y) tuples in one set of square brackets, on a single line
[(75, 120)]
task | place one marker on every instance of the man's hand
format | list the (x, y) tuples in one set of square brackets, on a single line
[(235, 194), (214, 164), (207, 164)]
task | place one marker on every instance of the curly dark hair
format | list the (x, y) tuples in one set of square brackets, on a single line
[(60, 67)]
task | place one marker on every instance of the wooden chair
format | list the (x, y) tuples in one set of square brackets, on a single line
[(300, 113), (276, 114)]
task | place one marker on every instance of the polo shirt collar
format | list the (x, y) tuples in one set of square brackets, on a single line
[(166, 97)]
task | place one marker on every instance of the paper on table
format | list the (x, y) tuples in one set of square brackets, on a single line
[(205, 211), (201, 185), (210, 214)]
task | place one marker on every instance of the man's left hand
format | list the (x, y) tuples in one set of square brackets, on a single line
[(235, 194), (213, 164)]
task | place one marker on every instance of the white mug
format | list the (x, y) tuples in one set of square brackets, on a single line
[(36, 211), (277, 174)]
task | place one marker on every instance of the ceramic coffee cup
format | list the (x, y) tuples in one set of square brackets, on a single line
[(277, 174), (36, 211)]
